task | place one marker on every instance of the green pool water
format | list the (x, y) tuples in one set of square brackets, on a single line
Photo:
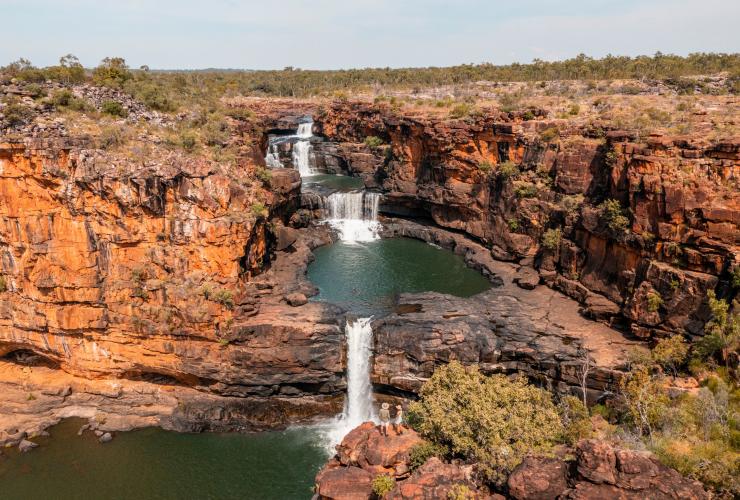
[(366, 278), (156, 464)]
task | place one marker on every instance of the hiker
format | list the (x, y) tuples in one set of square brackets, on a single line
[(385, 417), (398, 423)]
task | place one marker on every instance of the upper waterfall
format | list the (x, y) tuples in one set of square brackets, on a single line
[(354, 215), (302, 149)]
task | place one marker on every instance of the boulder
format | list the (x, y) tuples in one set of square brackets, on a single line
[(344, 483), (527, 278), (25, 445), (285, 236), (106, 438), (296, 299), (436, 479), (538, 478)]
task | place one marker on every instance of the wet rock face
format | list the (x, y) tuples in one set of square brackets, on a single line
[(160, 271), (681, 240)]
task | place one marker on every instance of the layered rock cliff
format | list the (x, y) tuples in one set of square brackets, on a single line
[(648, 271)]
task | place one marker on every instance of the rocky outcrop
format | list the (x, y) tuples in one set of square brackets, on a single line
[(680, 241), (600, 470), (538, 333), (364, 454), (161, 272)]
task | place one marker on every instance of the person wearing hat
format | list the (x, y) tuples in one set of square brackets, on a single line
[(398, 423), (385, 418)]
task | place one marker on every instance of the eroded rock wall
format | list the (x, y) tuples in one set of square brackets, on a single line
[(682, 235)]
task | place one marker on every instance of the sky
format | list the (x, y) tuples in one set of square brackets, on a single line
[(331, 34)]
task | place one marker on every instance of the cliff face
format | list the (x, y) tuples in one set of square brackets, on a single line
[(164, 273), (680, 241)]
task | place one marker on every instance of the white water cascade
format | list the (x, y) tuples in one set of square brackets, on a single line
[(354, 215), (358, 407), (272, 158), (302, 149)]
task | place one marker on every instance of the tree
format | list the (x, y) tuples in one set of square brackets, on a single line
[(112, 72), (721, 333), (492, 420), (583, 370), (670, 353), (645, 399)]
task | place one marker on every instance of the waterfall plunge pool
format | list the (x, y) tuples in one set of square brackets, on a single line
[(156, 464), (366, 278)]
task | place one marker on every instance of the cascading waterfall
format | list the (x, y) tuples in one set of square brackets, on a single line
[(358, 407), (302, 149), (354, 215), (272, 158)]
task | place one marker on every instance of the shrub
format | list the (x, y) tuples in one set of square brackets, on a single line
[(670, 353), (571, 203), (111, 137), (259, 209), (507, 170), (17, 114), (486, 167), (112, 72), (645, 400), (613, 216), (735, 277), (188, 140), (550, 134), (35, 90), (373, 141), (383, 484), (224, 297), (528, 115), (420, 453), (551, 239), (575, 418), (513, 224), (113, 108), (574, 109), (654, 301), (492, 420), (721, 333), (156, 98), (263, 174), (526, 190), (216, 132), (461, 110), (460, 492)]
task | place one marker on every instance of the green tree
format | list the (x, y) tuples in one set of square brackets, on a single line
[(721, 333), (492, 420), (112, 72)]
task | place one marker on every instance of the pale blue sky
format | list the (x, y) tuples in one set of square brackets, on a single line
[(328, 34)]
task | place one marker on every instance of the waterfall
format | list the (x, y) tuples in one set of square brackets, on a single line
[(272, 158), (302, 149), (358, 406), (354, 215)]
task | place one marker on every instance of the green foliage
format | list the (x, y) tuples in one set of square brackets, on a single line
[(721, 333), (528, 115), (111, 137), (155, 97), (513, 224), (420, 453), (113, 108), (525, 190), (645, 400), (575, 418), (461, 110), (259, 209), (112, 72), (263, 174), (735, 277), (224, 297), (383, 484), (508, 169), (486, 167), (551, 239), (550, 134), (373, 141), (492, 420), (460, 492), (216, 132), (613, 216), (188, 140), (574, 109), (654, 301), (17, 114), (571, 203), (670, 353)]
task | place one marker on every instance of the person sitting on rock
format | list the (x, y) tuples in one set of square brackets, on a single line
[(398, 423), (385, 418)]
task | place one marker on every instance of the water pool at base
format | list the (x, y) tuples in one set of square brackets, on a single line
[(366, 278), (152, 464), (334, 182), (155, 464)]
